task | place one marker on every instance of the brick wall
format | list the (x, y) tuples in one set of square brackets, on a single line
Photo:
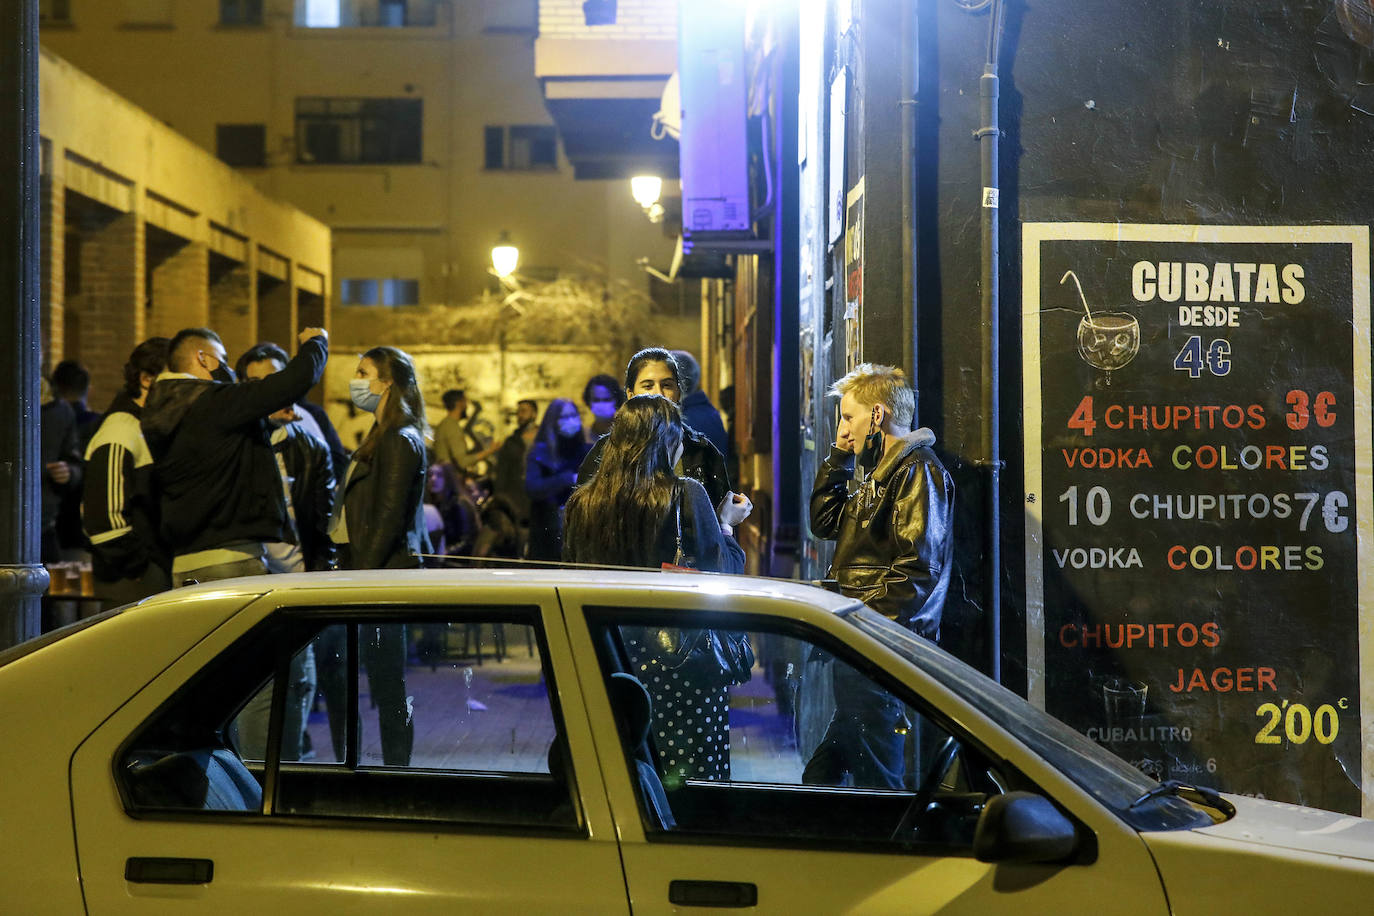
[(276, 313), (180, 290), (52, 279), (233, 305), (656, 19), (105, 320)]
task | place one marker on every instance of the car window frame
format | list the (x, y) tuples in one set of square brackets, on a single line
[(1053, 743), (600, 615), (274, 619)]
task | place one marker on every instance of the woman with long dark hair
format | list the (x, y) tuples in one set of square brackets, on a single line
[(551, 473), (628, 513), (379, 522), (637, 511)]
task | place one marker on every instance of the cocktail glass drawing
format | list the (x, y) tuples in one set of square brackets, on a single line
[(1106, 340)]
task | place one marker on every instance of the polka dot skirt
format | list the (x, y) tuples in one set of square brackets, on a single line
[(690, 728)]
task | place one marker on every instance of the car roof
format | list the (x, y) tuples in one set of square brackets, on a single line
[(516, 578)]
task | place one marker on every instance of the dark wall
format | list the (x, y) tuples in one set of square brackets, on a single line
[(1146, 111)]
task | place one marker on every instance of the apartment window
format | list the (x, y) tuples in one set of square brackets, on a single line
[(148, 12), (240, 12), (51, 11), (242, 145), (318, 14), (357, 130), (511, 16), (389, 292), (521, 147), (335, 14)]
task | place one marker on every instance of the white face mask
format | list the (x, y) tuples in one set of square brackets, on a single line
[(364, 398)]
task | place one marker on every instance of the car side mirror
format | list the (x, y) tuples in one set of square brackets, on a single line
[(1023, 827)]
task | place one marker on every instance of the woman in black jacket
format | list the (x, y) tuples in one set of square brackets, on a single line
[(636, 511), (379, 518), (551, 473), (379, 522)]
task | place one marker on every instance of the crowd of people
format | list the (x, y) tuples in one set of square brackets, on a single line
[(179, 479), (199, 472)]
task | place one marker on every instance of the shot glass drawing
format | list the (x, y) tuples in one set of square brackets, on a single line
[(1106, 340), (1124, 702)]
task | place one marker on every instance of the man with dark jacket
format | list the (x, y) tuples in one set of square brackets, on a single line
[(893, 547), (697, 410), (60, 451), (306, 459), (655, 371), (222, 497), (509, 479), (119, 508)]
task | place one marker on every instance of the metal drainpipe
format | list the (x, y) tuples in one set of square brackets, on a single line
[(988, 135)]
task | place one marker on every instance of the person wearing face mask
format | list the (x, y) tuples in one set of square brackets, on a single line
[(893, 533), (603, 396), (379, 523), (550, 475), (656, 371), (379, 517), (222, 498), (118, 508), (307, 464)]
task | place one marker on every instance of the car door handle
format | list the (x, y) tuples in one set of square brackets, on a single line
[(733, 894), (154, 870)]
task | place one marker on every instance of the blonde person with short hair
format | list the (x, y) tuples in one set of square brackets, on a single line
[(893, 545)]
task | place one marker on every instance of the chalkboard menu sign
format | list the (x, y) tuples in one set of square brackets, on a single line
[(1198, 471)]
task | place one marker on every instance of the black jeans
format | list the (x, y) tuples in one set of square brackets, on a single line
[(866, 738), (383, 653)]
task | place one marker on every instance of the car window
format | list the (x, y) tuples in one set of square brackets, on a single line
[(426, 717), (778, 733), (1111, 780)]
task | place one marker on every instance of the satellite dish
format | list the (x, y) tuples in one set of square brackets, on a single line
[(668, 118)]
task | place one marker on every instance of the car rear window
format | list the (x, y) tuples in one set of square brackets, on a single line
[(28, 646)]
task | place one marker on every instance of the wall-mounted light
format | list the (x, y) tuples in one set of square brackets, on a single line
[(646, 189), (504, 256)]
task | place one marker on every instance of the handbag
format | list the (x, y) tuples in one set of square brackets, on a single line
[(713, 657)]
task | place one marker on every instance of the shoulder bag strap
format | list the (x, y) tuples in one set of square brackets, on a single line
[(677, 513)]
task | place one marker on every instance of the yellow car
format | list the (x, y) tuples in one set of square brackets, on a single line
[(516, 741)]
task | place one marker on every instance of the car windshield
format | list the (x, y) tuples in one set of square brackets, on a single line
[(1103, 775)]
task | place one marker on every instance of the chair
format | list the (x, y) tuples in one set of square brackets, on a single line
[(633, 711), (207, 779)]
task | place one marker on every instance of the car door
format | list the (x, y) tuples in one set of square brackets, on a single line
[(445, 767), (805, 817)]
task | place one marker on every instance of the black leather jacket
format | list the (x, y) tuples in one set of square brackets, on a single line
[(893, 537), (700, 461), (311, 469), (383, 499)]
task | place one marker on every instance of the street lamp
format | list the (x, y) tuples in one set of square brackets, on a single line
[(646, 189), (504, 257)]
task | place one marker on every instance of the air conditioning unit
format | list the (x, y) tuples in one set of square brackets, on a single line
[(713, 145)]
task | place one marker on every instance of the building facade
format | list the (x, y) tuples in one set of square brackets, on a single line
[(413, 129), (417, 132), (145, 233)]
